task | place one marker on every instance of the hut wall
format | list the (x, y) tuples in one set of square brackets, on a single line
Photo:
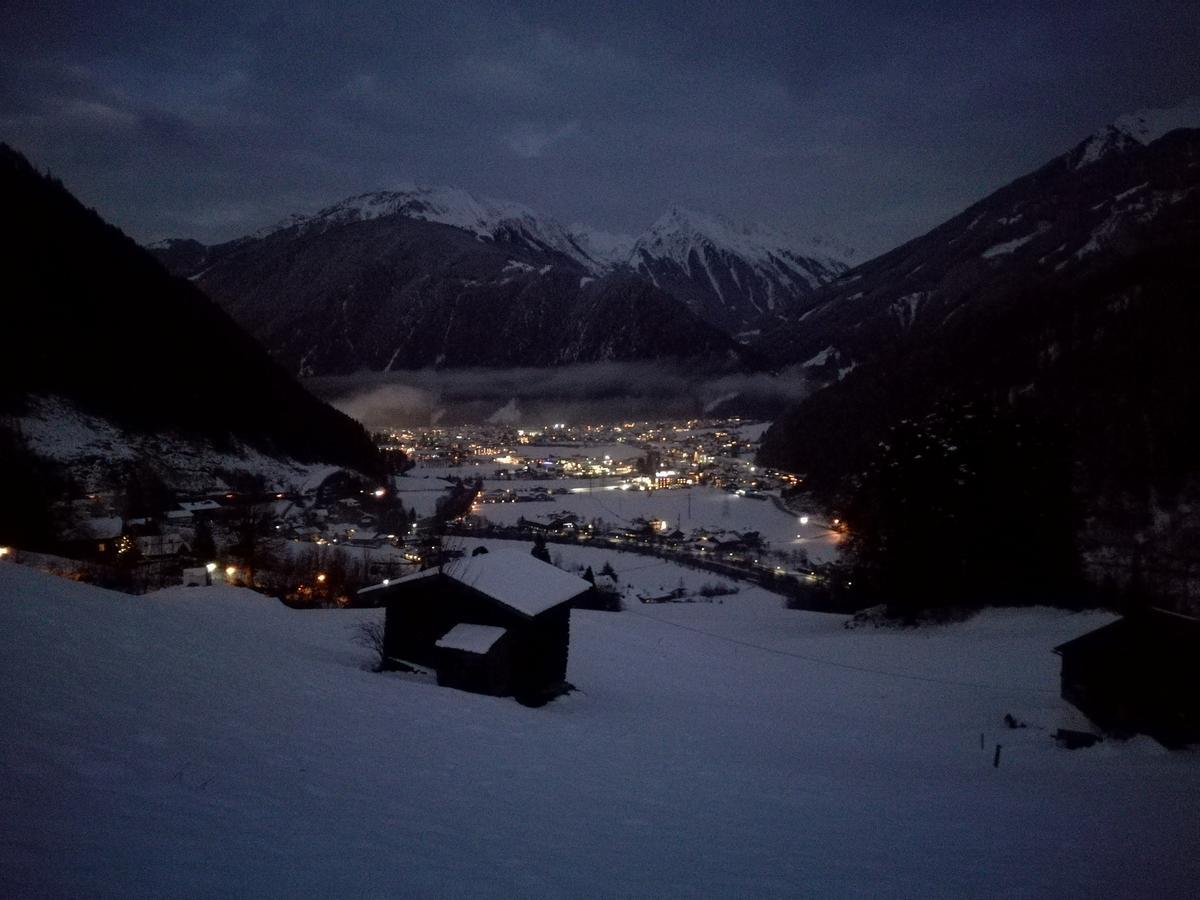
[(481, 673)]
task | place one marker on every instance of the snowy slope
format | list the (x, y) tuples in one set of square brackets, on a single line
[(209, 741), (733, 275), (486, 218), (95, 449), (680, 231), (1142, 127)]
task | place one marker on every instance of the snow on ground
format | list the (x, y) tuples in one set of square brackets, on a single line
[(210, 741), (56, 430), (683, 508), (421, 493)]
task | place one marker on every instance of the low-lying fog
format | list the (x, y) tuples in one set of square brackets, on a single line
[(575, 394)]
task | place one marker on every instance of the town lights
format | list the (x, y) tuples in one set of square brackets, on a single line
[(320, 577), (210, 568), (230, 571), (4, 551), (804, 520), (379, 492)]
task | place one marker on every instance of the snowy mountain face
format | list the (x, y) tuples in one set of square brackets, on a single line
[(1068, 294), (1114, 193), (1137, 129), (358, 287), (735, 276), (490, 220)]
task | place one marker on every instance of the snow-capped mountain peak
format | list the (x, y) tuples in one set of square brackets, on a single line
[(732, 273), (486, 218), (680, 229), (1142, 127)]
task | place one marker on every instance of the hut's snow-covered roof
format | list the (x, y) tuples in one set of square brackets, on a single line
[(471, 638), (514, 578)]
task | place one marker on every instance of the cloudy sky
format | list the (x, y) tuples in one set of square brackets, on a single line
[(873, 121)]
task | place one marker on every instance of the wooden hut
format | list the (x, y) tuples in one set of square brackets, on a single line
[(1138, 675), (510, 590), (475, 658)]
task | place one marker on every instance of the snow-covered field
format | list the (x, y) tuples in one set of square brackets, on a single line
[(682, 508), (210, 741)]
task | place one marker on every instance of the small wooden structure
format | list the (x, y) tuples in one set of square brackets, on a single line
[(475, 658), (1138, 675), (508, 590)]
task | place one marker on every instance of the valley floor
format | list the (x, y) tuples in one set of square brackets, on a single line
[(210, 741)]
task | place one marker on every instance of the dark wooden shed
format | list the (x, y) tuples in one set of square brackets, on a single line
[(505, 589), (475, 658), (1138, 675)]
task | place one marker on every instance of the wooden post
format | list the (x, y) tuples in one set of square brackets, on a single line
[(996, 758)]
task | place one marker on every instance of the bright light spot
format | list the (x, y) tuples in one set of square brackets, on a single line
[(321, 577), (804, 520), (837, 521), (230, 571), (379, 492), (210, 568), (3, 551), (386, 582)]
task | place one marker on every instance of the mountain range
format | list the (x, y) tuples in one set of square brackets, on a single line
[(433, 276)]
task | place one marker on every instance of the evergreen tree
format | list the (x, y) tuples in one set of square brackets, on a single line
[(203, 545)]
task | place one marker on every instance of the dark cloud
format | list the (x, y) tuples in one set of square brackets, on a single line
[(875, 120)]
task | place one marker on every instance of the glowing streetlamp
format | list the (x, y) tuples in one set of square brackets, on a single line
[(321, 577)]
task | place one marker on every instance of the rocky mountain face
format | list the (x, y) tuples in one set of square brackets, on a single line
[(368, 284), (94, 319), (454, 260), (1109, 198), (740, 278), (1064, 301)]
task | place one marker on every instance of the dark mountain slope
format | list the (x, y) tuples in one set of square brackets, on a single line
[(94, 318), (393, 292), (1081, 326)]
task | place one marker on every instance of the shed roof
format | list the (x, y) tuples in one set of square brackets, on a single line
[(471, 638), (513, 578), (1159, 630)]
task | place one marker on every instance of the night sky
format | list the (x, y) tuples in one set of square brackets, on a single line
[(871, 121)]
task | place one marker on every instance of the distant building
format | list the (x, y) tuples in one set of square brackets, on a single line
[(100, 538), (1138, 675), (507, 590), (157, 545)]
